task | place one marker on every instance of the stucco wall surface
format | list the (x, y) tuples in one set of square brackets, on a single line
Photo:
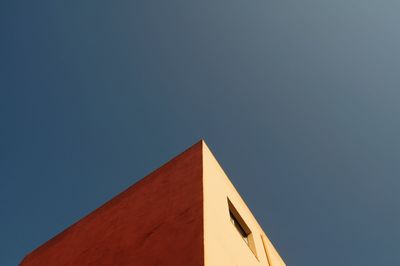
[(224, 246), (176, 216), (157, 221)]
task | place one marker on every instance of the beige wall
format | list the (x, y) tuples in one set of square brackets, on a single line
[(222, 243)]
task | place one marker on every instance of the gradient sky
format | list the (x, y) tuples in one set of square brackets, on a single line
[(298, 100)]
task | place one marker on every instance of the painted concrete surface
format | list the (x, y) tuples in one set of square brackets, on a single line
[(178, 215), (224, 246), (157, 221)]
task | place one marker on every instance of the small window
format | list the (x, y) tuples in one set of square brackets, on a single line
[(241, 227)]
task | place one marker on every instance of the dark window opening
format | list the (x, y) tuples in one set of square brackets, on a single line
[(238, 227), (242, 228)]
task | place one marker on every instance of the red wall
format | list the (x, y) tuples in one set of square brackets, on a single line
[(157, 221)]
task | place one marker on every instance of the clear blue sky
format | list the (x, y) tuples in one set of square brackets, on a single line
[(299, 101)]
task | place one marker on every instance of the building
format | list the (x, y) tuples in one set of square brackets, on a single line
[(186, 213)]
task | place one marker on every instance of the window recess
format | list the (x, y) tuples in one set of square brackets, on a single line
[(241, 227)]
